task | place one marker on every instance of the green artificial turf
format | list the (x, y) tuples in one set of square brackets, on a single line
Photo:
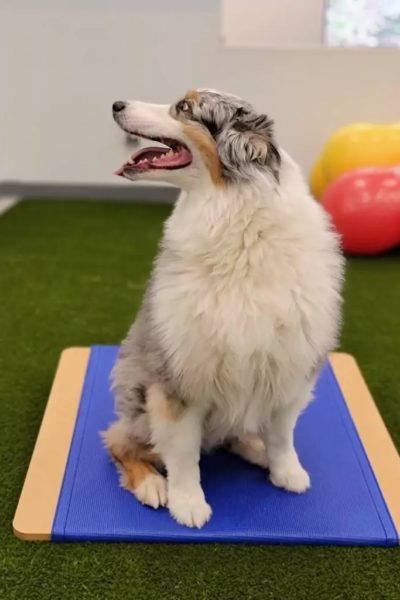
[(72, 273)]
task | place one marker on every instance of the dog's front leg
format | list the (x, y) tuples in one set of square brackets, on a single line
[(285, 468), (176, 435)]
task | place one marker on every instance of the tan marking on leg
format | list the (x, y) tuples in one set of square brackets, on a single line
[(146, 483), (134, 471), (119, 443), (134, 460), (251, 448), (208, 150), (158, 404)]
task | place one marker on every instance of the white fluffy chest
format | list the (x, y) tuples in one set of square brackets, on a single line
[(245, 300), (218, 320), (217, 347), (218, 288)]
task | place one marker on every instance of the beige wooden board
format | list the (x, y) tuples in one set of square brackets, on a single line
[(378, 444), (38, 501)]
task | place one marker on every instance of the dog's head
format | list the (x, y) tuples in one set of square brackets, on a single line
[(205, 134)]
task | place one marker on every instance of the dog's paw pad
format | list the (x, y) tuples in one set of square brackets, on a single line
[(152, 491), (188, 509), (292, 478)]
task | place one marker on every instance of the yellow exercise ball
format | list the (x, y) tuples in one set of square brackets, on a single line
[(354, 146), (317, 180), (360, 145)]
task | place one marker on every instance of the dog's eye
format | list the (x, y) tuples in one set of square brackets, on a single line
[(241, 112), (183, 106)]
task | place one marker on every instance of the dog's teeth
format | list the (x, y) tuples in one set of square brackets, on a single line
[(170, 153), (129, 161)]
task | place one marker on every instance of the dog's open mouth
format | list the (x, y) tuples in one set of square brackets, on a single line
[(174, 156)]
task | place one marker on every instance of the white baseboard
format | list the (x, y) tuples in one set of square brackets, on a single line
[(129, 193)]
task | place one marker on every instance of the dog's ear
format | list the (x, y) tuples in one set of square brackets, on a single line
[(247, 142)]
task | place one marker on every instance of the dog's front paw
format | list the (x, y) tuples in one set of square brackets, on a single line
[(152, 491), (189, 508), (291, 476)]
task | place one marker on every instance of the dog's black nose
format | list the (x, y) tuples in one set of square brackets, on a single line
[(118, 106)]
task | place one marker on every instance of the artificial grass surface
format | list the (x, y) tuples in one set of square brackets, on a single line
[(72, 273)]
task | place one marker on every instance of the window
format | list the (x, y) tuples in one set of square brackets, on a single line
[(363, 23)]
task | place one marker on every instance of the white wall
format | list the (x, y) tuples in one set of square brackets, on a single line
[(61, 68), (272, 24)]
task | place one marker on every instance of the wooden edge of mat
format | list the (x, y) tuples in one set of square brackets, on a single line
[(37, 505), (378, 444)]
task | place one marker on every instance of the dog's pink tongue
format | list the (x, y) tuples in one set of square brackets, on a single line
[(156, 158), (172, 159)]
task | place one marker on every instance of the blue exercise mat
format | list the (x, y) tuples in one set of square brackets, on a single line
[(344, 506)]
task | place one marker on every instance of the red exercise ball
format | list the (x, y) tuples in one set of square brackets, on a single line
[(365, 208)]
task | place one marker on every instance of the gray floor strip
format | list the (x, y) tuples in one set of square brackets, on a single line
[(128, 193)]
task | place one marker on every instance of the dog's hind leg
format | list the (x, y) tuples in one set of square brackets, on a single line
[(251, 448), (136, 464)]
